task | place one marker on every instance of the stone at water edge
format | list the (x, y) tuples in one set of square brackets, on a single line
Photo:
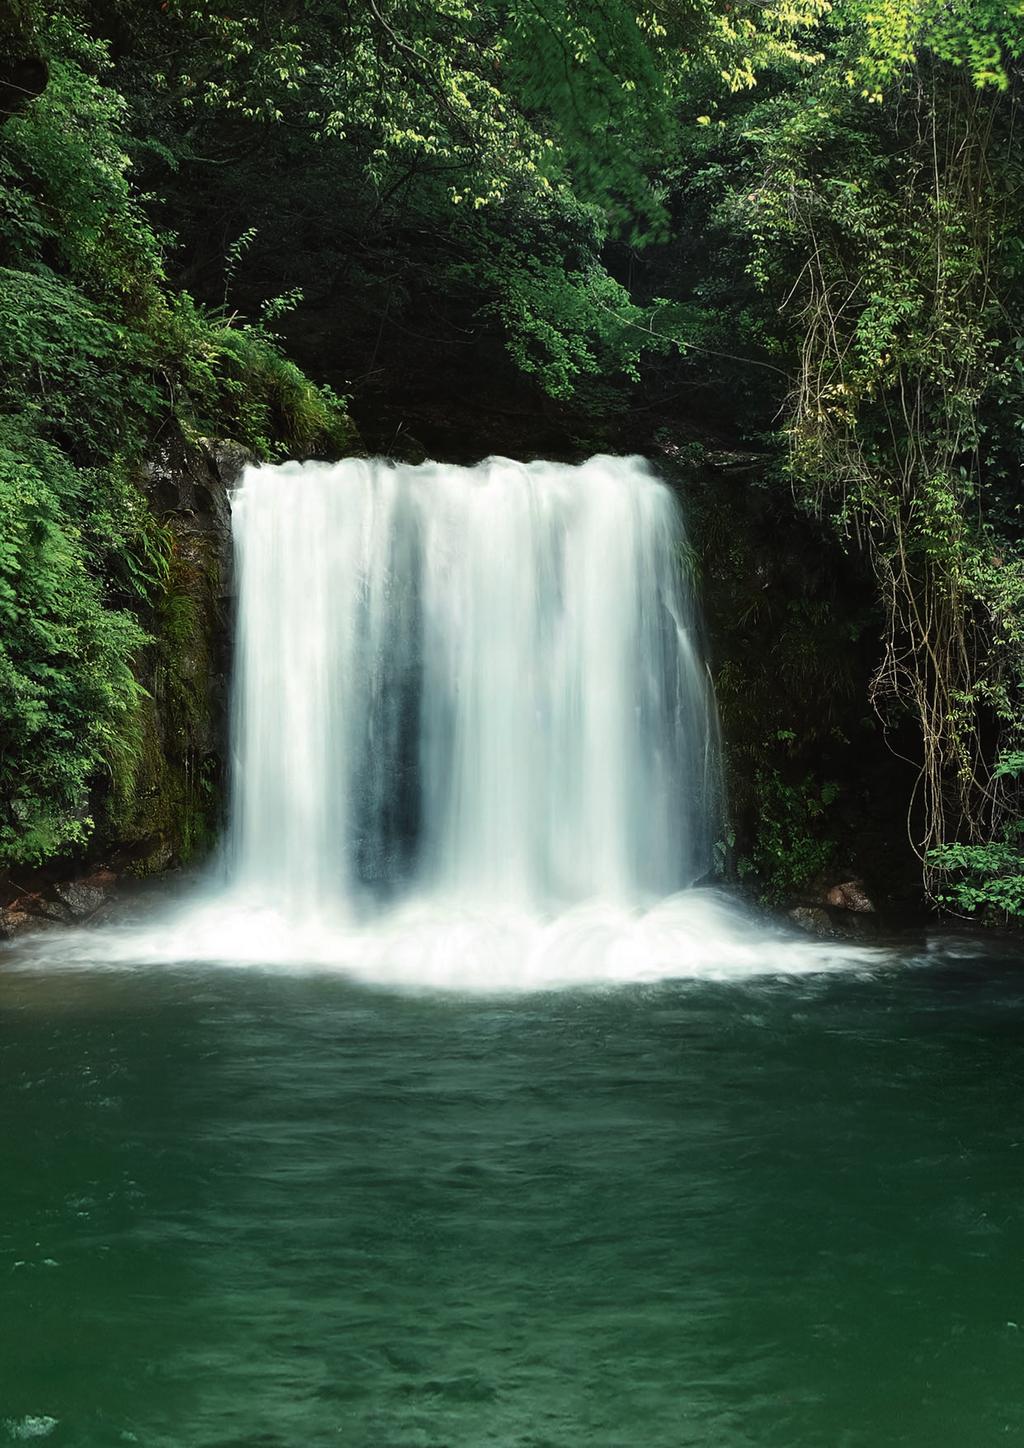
[(15, 922), (813, 918), (67, 902), (850, 895), (82, 898)]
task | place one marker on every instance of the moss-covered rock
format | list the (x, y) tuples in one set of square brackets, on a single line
[(166, 807)]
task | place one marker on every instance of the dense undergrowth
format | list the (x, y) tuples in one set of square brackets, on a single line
[(787, 228), (98, 354)]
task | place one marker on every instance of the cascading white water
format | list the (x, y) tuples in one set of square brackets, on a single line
[(474, 742), (477, 685)]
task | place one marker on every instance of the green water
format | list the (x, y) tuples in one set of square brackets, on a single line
[(247, 1208)]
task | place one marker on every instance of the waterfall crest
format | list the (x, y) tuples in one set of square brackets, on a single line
[(474, 685)]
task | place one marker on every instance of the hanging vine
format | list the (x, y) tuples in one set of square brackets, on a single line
[(901, 305)]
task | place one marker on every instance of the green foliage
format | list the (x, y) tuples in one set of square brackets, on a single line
[(472, 147), (563, 325), (265, 400), (77, 372), (793, 843), (67, 690), (96, 355), (985, 880), (983, 37), (870, 202)]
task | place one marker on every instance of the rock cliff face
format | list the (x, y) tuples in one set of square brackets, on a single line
[(817, 789), (166, 807), (169, 811)]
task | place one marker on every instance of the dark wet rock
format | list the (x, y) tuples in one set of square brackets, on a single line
[(154, 856), (84, 898), (51, 902), (171, 809), (814, 919), (836, 922), (230, 459), (16, 922), (850, 895)]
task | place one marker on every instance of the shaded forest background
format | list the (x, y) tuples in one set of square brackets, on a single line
[(774, 244)]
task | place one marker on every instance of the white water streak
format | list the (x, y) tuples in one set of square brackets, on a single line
[(476, 683)]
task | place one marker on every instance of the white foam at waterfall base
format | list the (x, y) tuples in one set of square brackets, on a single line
[(431, 944), (474, 743)]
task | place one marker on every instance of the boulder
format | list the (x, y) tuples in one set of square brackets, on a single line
[(14, 922), (814, 919), (82, 898), (850, 895)]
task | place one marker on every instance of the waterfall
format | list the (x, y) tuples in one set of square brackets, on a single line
[(480, 686), (473, 741)]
